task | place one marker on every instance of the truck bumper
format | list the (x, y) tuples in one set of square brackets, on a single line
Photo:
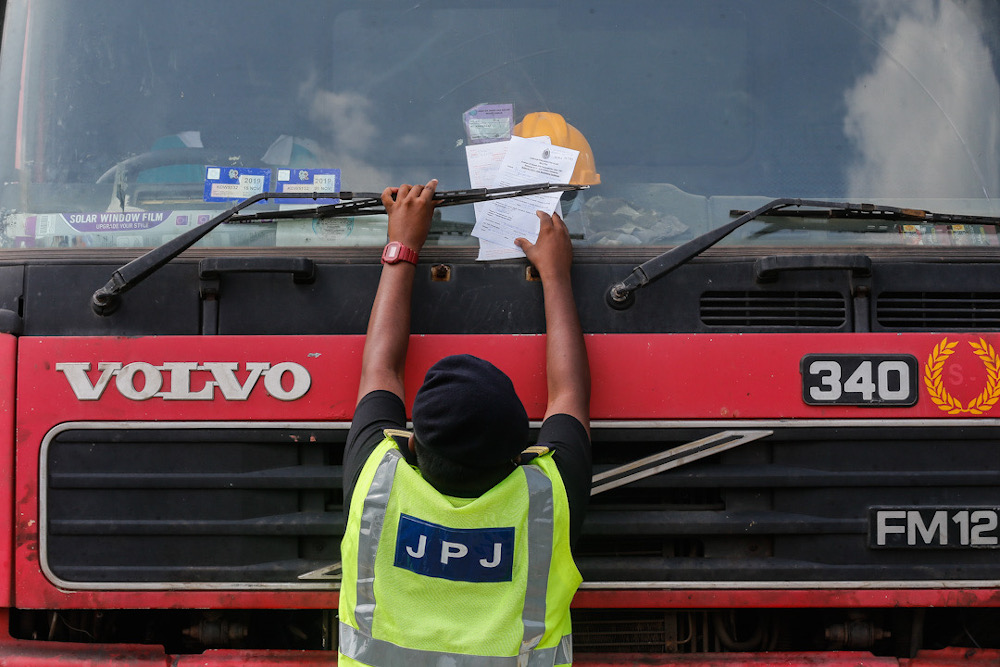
[(949, 657), (31, 653)]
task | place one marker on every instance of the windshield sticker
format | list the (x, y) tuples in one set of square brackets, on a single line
[(224, 184), (115, 222), (308, 181), (486, 123), (960, 235), (108, 228), (367, 230), (188, 220), (974, 235)]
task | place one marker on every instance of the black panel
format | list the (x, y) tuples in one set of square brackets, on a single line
[(793, 506), (11, 285), (497, 297), (193, 505), (939, 296), (57, 302), (714, 293)]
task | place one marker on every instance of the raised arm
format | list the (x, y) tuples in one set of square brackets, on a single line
[(567, 367), (384, 359)]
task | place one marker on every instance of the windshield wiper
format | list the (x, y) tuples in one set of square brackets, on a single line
[(369, 203), (622, 295), (106, 299)]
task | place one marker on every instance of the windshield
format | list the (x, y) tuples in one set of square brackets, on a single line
[(126, 122)]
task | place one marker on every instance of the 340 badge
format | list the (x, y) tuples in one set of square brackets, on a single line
[(881, 380)]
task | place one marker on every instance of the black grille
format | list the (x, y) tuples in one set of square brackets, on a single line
[(792, 506), (197, 505), (769, 310), (939, 310), (263, 505), (604, 632)]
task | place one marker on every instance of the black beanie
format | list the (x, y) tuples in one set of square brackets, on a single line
[(467, 411)]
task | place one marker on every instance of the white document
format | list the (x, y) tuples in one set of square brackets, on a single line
[(484, 162), (526, 161), (490, 251)]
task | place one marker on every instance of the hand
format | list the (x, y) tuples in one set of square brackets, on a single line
[(552, 253), (410, 208)]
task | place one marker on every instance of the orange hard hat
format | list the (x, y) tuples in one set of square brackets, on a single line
[(555, 127)]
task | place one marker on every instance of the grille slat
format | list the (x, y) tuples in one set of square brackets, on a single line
[(316, 477), (300, 523), (939, 310), (698, 522), (773, 309)]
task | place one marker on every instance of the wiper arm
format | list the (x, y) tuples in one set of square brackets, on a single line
[(106, 299), (622, 295), (369, 203)]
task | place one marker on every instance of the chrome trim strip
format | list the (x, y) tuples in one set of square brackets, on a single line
[(674, 457), (785, 423)]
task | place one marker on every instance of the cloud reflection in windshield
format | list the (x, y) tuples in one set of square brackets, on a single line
[(344, 117), (934, 65)]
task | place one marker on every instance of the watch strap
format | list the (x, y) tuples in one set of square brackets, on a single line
[(395, 252)]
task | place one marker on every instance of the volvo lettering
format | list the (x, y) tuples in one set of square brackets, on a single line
[(140, 381)]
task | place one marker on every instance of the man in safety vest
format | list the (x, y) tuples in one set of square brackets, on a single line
[(457, 547)]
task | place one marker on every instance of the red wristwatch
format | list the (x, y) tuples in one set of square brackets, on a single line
[(395, 252)]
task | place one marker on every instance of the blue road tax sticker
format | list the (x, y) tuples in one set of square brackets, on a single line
[(308, 181), (234, 183)]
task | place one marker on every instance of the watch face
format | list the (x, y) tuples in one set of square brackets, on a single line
[(392, 251)]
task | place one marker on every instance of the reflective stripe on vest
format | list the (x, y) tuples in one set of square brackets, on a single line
[(360, 645), (372, 518)]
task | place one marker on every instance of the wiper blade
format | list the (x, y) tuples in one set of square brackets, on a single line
[(106, 299), (370, 203), (878, 212), (622, 295)]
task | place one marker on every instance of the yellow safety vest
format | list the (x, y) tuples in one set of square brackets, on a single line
[(430, 579)]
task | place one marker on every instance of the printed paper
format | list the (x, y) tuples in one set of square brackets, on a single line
[(526, 161)]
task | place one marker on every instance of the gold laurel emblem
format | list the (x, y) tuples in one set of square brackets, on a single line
[(940, 396)]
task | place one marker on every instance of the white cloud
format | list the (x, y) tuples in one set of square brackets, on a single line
[(924, 118), (345, 118)]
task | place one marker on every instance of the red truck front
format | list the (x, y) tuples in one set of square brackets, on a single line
[(785, 265)]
